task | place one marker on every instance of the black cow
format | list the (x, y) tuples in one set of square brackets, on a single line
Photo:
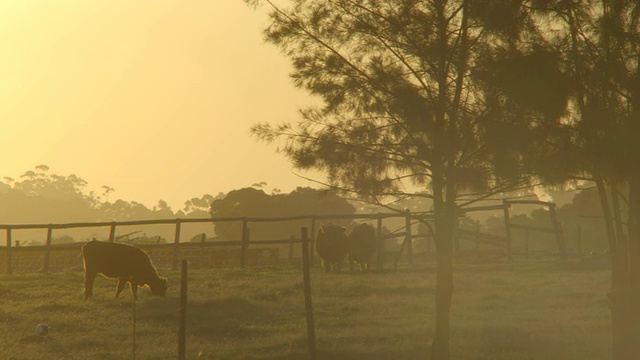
[(361, 246), (124, 262), (331, 245)]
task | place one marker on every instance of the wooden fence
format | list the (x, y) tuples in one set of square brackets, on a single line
[(507, 240), (249, 249)]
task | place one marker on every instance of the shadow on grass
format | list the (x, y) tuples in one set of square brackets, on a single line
[(362, 290), (506, 343), (234, 317), (416, 353), (587, 263), (581, 264), (58, 308)]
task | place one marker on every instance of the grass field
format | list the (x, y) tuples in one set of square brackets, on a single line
[(502, 310)]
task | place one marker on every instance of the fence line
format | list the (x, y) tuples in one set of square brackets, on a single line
[(208, 220), (507, 240), (243, 243), (411, 219)]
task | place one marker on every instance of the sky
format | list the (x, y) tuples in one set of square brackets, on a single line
[(152, 98)]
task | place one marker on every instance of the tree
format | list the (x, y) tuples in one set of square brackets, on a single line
[(598, 45), (42, 196), (239, 203), (42, 183), (401, 105), (199, 207), (604, 59), (254, 202)]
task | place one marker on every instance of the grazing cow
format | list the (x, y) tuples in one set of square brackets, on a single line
[(361, 246), (124, 262), (331, 245)]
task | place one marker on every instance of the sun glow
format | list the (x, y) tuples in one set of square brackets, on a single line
[(152, 98)]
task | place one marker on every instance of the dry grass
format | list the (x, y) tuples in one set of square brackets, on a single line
[(503, 310)]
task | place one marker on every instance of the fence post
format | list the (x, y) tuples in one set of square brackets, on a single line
[(245, 243), (380, 249), (112, 231), (507, 226), (312, 241), (182, 327), (291, 250), (176, 245), (9, 265), (408, 238), (47, 250), (579, 240), (306, 279), (562, 247)]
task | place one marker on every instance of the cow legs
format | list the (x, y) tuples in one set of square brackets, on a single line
[(88, 283), (326, 266), (134, 288), (121, 282)]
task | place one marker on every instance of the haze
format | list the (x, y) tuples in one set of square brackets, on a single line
[(152, 98)]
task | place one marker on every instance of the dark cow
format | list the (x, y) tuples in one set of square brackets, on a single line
[(124, 262), (361, 246), (331, 245)]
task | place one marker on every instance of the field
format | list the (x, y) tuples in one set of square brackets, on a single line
[(524, 309)]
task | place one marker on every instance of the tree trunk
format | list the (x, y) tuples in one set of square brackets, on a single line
[(625, 302), (444, 222), (619, 294), (444, 294), (618, 279)]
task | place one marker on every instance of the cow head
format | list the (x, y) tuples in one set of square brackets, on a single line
[(159, 288)]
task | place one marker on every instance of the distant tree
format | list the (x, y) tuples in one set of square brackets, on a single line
[(5, 187), (163, 209), (125, 210), (48, 197), (252, 202), (310, 201), (41, 196), (199, 207), (259, 185), (239, 203), (42, 183), (106, 191)]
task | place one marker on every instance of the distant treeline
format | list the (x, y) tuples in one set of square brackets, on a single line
[(40, 196)]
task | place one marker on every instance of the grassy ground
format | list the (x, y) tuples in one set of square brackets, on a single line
[(504, 310)]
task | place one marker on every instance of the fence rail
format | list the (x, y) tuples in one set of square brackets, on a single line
[(245, 243), (177, 245), (210, 220)]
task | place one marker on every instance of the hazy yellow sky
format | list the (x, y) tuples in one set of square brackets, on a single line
[(153, 98)]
